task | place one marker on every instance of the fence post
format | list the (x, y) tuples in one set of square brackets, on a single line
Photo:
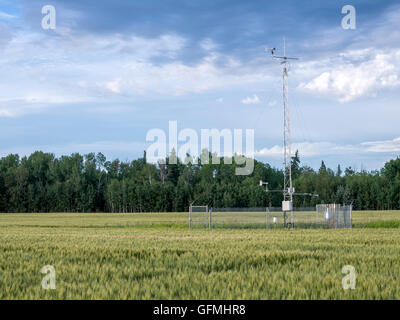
[(351, 216), (207, 218), (210, 219), (337, 215), (190, 217)]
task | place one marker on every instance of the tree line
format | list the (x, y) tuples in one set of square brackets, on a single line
[(42, 182)]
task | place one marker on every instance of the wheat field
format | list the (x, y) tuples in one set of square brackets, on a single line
[(155, 256)]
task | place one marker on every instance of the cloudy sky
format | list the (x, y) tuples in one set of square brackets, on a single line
[(113, 70)]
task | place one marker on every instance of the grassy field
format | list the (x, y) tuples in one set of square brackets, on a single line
[(155, 256)]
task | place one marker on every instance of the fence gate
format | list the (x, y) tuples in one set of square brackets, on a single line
[(199, 217)]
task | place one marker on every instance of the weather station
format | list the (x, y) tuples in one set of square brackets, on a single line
[(288, 189)]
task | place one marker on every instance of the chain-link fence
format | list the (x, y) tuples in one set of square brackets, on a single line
[(250, 218), (199, 217), (328, 216), (334, 215)]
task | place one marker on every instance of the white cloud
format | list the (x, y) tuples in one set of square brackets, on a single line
[(113, 85), (208, 44), (312, 149), (383, 146), (108, 68), (251, 100), (306, 149), (220, 100), (5, 113), (34, 103), (355, 73), (4, 15)]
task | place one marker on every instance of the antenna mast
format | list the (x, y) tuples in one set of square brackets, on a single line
[(288, 190)]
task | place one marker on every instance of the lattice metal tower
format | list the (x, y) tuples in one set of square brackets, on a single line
[(288, 190)]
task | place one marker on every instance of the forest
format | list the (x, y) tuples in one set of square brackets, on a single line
[(43, 182)]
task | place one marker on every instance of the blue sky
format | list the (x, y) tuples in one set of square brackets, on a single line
[(113, 70)]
